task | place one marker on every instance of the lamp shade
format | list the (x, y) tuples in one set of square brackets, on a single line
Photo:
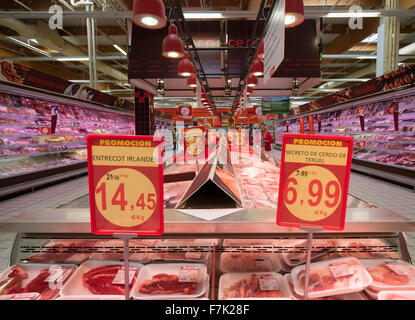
[(294, 13), (172, 45), (249, 91), (260, 53), (191, 82), (252, 81), (186, 68), (257, 68), (150, 14)]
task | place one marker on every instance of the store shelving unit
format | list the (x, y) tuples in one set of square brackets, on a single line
[(387, 153), (30, 159)]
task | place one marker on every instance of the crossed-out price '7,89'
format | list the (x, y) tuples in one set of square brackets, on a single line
[(312, 193), (122, 201)]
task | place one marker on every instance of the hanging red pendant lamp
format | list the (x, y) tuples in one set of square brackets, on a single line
[(249, 91), (191, 82), (294, 13), (150, 14), (172, 44), (186, 68), (260, 53), (257, 68), (252, 81)]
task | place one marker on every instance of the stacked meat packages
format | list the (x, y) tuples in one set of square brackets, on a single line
[(94, 270), (26, 143), (341, 269)]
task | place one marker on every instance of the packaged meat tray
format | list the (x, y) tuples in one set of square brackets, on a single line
[(205, 296), (170, 281), (240, 261), (388, 274), (195, 250), (44, 279), (396, 295), (260, 285), (114, 250), (362, 249), (332, 277), (348, 296), (297, 251), (95, 279), (63, 251)]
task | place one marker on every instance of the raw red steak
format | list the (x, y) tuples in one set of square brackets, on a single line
[(99, 280), (163, 283), (41, 286), (11, 282)]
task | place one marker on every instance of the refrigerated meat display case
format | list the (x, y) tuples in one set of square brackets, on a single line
[(381, 149), (32, 156), (242, 255)]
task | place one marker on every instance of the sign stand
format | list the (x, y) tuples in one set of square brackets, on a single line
[(310, 231), (126, 238)]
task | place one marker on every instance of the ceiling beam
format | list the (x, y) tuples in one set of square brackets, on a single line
[(343, 3)]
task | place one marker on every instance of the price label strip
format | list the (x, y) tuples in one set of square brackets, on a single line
[(268, 283), (120, 276), (314, 181), (126, 184), (189, 274)]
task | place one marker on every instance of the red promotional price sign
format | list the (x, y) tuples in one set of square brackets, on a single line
[(314, 181), (125, 184), (185, 111), (45, 130)]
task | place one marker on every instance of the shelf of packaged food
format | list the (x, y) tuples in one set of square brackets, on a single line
[(43, 145), (60, 119), (73, 171), (26, 155), (393, 151), (382, 163)]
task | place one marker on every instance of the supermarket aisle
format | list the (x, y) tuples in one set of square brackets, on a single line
[(376, 192)]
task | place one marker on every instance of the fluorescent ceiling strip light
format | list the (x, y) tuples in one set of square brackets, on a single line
[(116, 46), (73, 59), (24, 44), (203, 15), (353, 14)]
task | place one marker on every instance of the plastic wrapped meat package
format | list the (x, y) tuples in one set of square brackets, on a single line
[(44, 279), (174, 191), (197, 250), (170, 281), (113, 250), (97, 278), (296, 253), (260, 285), (388, 274), (295, 296), (62, 251), (362, 249), (332, 277), (240, 261), (397, 295)]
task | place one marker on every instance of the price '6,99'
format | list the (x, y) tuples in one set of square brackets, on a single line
[(123, 202), (312, 193)]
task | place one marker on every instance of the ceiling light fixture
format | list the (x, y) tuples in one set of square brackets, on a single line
[(294, 13), (260, 53), (252, 81), (186, 68), (149, 14), (372, 14), (116, 46), (24, 44), (191, 82), (203, 15), (257, 68), (172, 44)]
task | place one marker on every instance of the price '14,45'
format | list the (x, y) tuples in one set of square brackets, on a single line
[(147, 200)]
